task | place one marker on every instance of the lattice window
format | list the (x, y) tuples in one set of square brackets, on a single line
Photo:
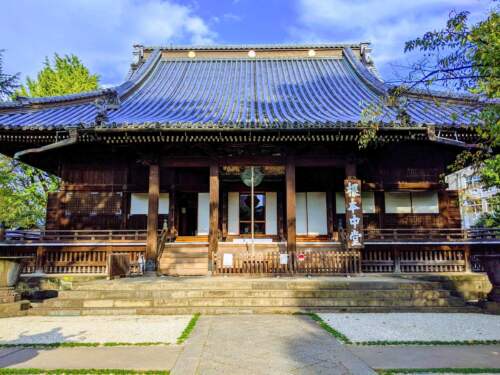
[(92, 203)]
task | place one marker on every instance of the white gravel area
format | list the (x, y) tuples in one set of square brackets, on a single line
[(92, 329), (360, 327)]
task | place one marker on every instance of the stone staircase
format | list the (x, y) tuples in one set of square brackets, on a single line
[(184, 259), (218, 295)]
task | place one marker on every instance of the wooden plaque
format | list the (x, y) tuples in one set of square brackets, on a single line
[(353, 213)]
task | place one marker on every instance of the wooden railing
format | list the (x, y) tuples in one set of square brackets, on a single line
[(303, 262), (72, 259), (28, 236), (432, 234)]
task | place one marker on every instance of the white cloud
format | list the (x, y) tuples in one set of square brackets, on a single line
[(386, 24), (100, 32)]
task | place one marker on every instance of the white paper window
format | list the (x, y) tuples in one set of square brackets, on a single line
[(203, 213), (367, 202), (425, 202), (301, 213), (311, 213), (398, 203), (233, 213), (271, 213), (139, 204), (340, 203)]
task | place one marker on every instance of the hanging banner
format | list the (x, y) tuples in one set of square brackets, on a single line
[(353, 213)]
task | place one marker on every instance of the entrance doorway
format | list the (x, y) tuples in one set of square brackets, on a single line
[(187, 213)]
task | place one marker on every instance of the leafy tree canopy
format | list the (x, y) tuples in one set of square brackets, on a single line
[(8, 83), (66, 75), (23, 189), (467, 58)]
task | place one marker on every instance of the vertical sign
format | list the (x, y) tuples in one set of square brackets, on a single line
[(353, 213)]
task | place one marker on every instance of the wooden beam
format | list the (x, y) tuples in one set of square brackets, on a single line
[(152, 226), (290, 206), (350, 169), (214, 212)]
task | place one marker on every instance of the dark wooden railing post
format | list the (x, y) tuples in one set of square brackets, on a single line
[(397, 259), (153, 202), (291, 243), (213, 240), (40, 259)]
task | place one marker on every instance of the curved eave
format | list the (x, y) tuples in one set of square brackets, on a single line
[(86, 97)]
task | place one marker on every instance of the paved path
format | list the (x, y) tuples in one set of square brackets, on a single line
[(265, 344), (477, 356), (256, 344), (125, 357)]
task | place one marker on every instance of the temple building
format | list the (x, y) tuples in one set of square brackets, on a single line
[(247, 159)]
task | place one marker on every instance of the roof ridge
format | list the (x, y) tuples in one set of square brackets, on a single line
[(250, 46)]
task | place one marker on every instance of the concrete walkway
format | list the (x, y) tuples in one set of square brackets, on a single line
[(265, 344), (385, 357), (255, 344)]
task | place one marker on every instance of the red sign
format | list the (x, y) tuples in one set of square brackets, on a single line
[(301, 257)]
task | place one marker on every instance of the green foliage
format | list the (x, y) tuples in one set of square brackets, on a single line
[(452, 370), (338, 335), (491, 219), (467, 58), (8, 83), (39, 371), (23, 193), (189, 328), (23, 189), (66, 75)]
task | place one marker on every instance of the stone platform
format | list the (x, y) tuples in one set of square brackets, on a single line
[(223, 295)]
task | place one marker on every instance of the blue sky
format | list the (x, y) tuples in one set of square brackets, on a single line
[(102, 32)]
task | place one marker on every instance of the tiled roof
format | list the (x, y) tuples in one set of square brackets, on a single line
[(198, 93)]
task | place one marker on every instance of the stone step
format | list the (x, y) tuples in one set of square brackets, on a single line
[(240, 310), (244, 302), (202, 293), (18, 308), (249, 284)]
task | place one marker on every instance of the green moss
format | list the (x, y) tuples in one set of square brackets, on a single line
[(189, 328), (435, 342), (81, 344), (439, 371), (338, 335), (37, 371)]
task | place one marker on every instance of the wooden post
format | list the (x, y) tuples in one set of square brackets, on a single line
[(213, 240), (291, 243), (467, 255), (40, 259), (171, 211), (153, 203)]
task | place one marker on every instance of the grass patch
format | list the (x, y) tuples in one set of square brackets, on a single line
[(80, 344), (434, 342), (189, 328), (38, 371), (338, 335), (439, 371)]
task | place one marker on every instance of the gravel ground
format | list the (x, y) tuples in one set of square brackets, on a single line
[(92, 329), (415, 327)]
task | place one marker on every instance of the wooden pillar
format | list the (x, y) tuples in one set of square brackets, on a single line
[(40, 259), (330, 214), (350, 169), (290, 206), (171, 209), (153, 203), (214, 213)]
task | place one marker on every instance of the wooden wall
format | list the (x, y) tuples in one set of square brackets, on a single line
[(96, 194)]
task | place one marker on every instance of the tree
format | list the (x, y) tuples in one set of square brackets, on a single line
[(8, 83), (464, 58), (24, 189), (67, 75)]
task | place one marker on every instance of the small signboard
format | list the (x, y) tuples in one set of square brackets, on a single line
[(353, 213), (283, 259), (227, 260), (301, 257)]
